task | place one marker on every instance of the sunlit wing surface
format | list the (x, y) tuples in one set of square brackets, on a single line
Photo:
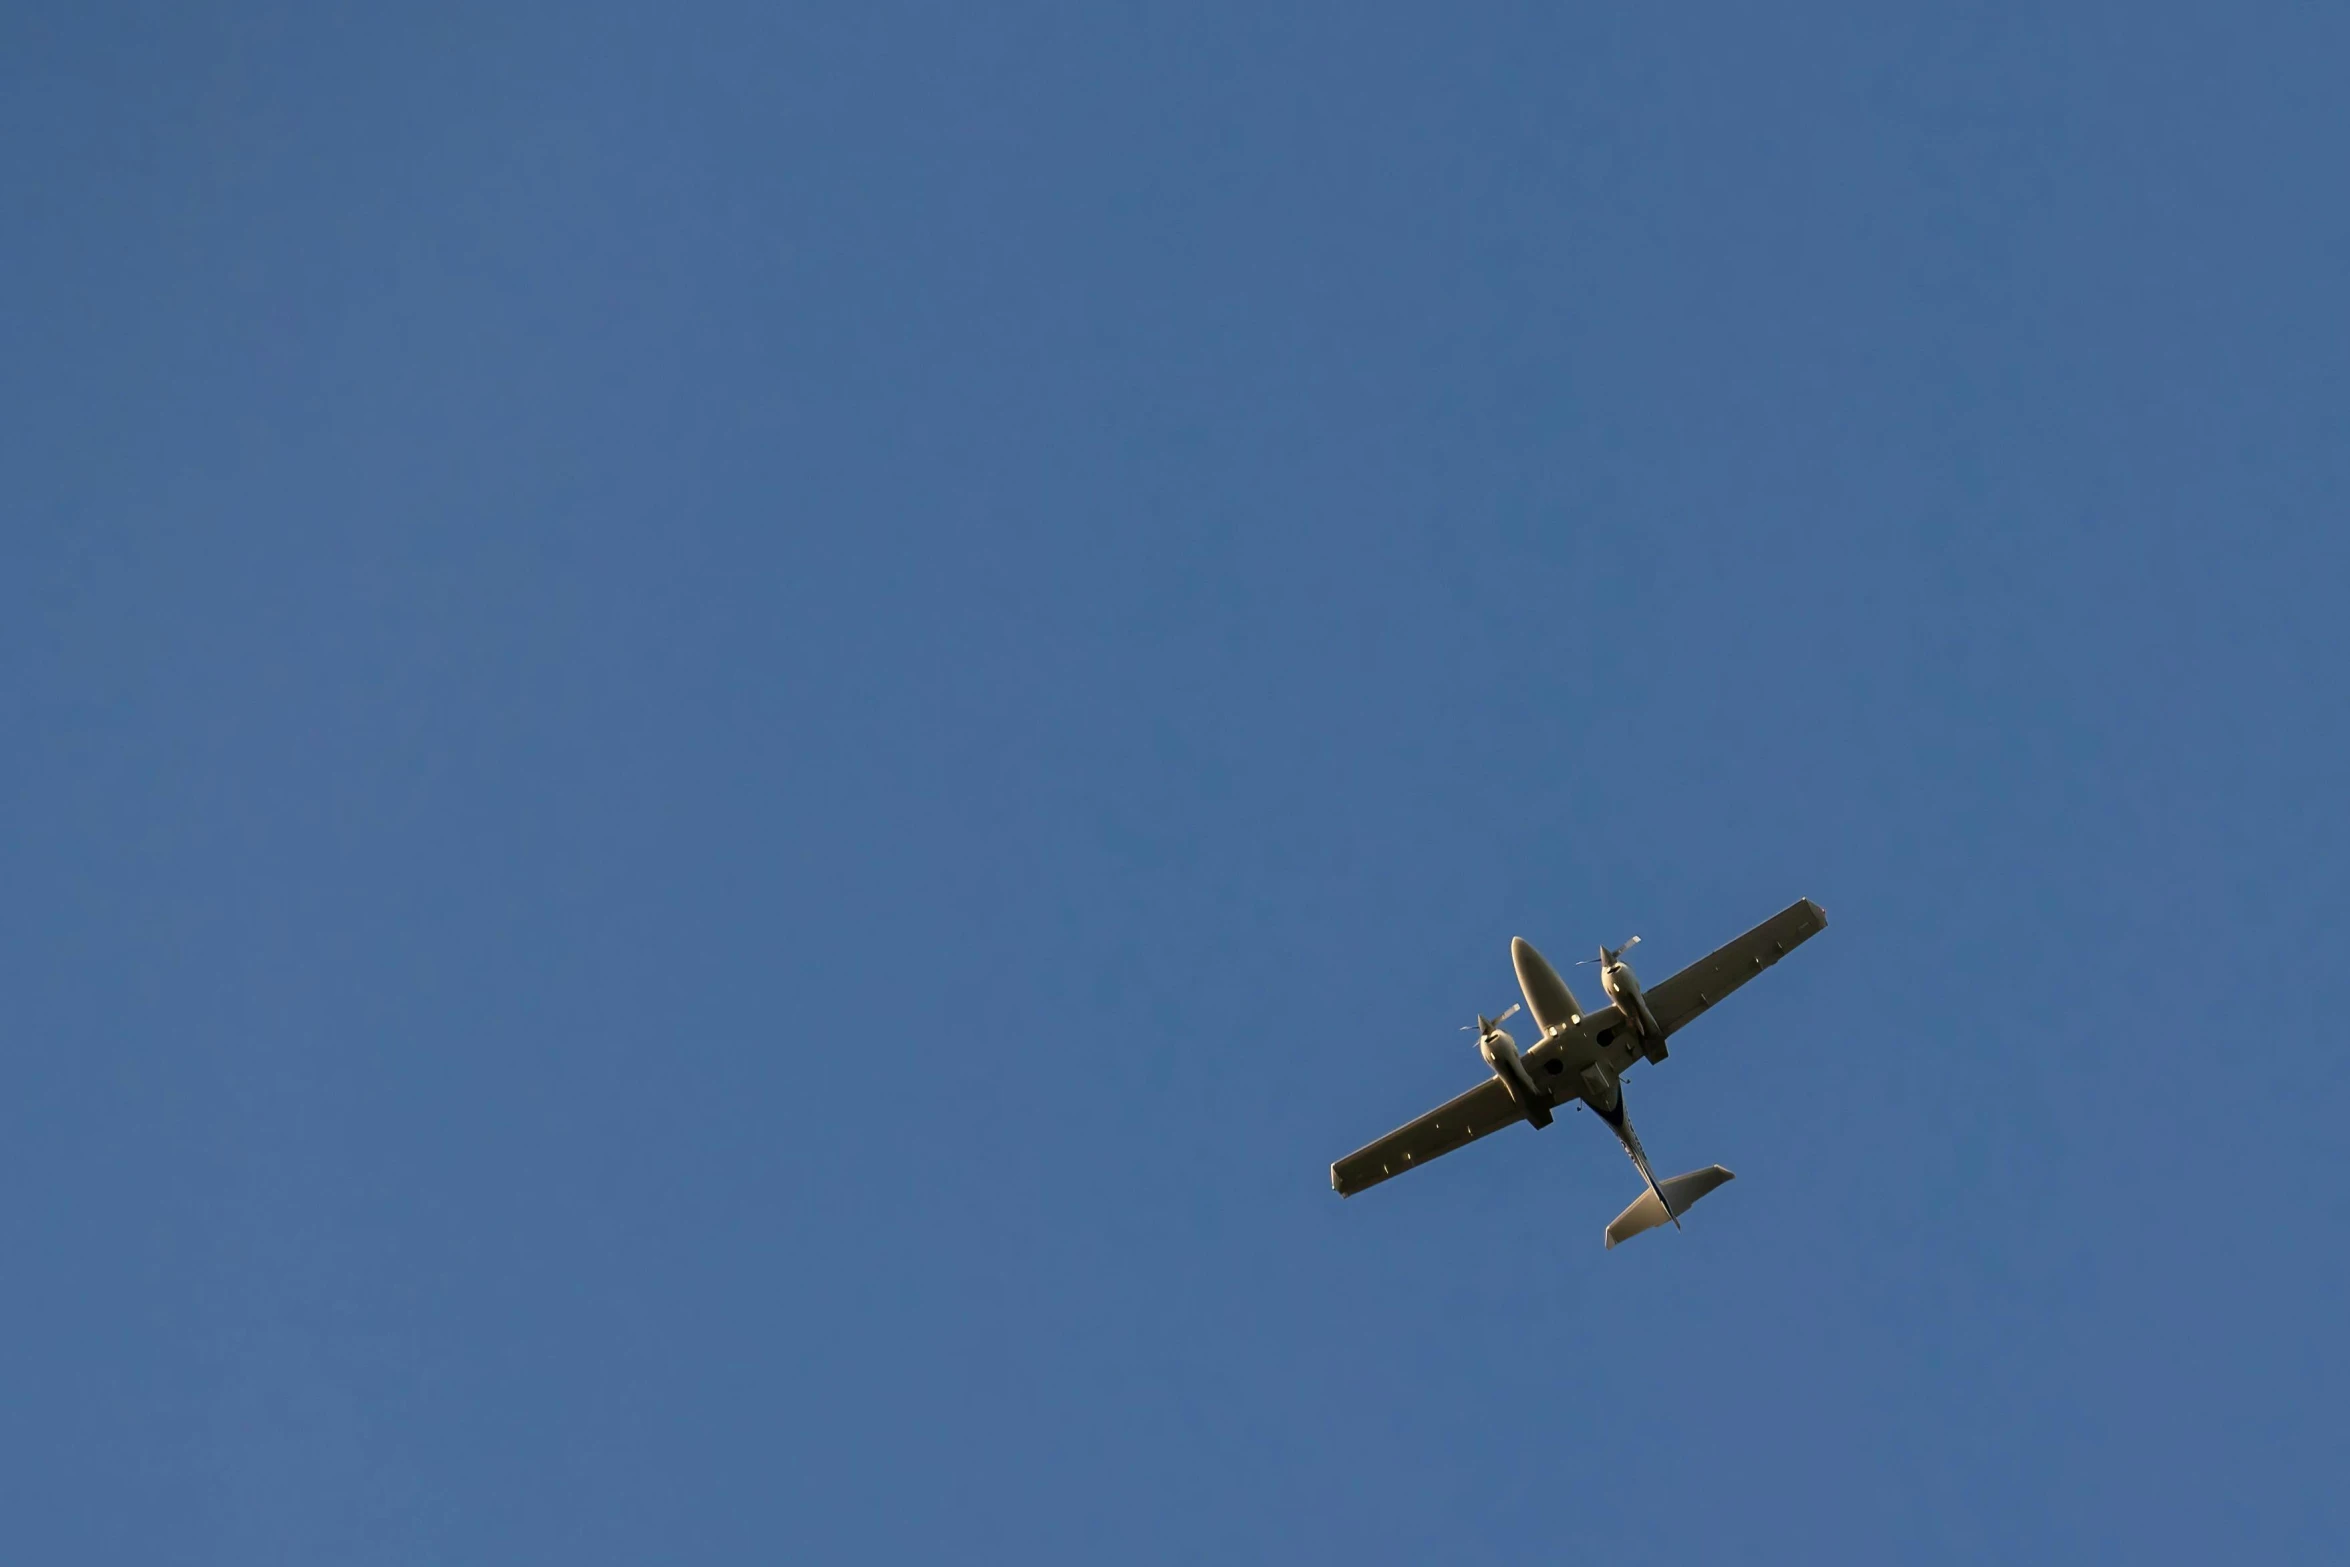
[(1485, 1108), (1679, 1001)]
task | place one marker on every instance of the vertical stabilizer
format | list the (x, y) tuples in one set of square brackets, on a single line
[(1621, 1124)]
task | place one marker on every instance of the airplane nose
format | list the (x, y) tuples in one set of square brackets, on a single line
[(1547, 995)]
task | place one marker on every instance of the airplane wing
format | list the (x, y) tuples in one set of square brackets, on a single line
[(1484, 1108), (1680, 1001)]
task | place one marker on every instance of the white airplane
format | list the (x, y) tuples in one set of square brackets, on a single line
[(1584, 1058)]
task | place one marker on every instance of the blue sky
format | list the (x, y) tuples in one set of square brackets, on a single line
[(740, 734)]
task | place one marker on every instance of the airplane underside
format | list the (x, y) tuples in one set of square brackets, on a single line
[(1581, 1056)]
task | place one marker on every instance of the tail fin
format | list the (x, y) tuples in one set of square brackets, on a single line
[(1620, 1123), (1651, 1209)]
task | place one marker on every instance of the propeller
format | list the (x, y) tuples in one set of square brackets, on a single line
[(1606, 957), (1486, 1025)]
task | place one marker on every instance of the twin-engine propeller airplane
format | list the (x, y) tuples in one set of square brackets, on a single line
[(1584, 1058)]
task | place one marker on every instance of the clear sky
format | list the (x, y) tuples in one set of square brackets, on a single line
[(738, 734)]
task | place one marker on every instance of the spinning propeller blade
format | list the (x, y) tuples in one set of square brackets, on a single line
[(1485, 1025)]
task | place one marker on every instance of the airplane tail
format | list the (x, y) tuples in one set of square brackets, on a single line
[(1620, 1123), (1665, 1200)]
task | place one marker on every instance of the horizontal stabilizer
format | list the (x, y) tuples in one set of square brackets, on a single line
[(1682, 1191)]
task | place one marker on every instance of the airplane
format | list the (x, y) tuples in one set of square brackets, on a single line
[(1583, 1057)]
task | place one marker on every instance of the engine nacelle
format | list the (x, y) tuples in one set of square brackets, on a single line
[(1501, 1053), (1623, 988)]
